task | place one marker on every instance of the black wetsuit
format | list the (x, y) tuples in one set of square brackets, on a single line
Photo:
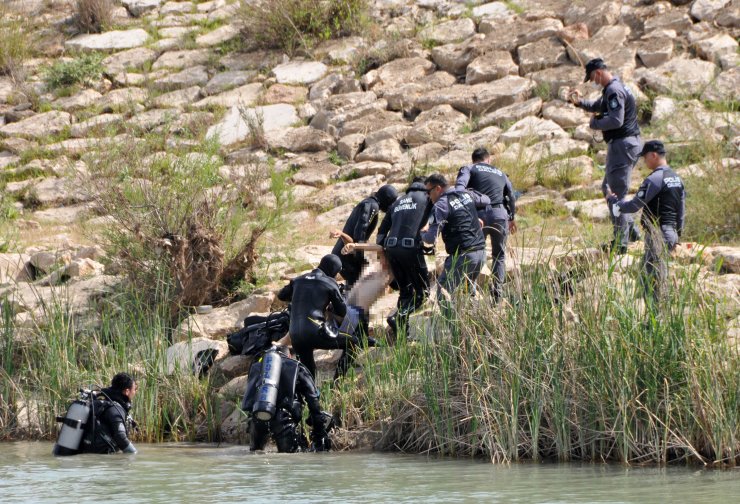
[(360, 225), (109, 433), (296, 388), (399, 233), (310, 295)]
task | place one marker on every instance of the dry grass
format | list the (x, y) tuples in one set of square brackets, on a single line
[(93, 16)]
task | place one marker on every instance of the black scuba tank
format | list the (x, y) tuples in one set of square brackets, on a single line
[(267, 394), (73, 425)]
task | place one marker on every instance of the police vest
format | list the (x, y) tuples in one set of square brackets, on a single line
[(629, 125), (665, 207), (462, 231), (488, 180), (409, 214)]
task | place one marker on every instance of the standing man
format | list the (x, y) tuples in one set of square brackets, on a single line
[(455, 216), (359, 226), (615, 115), (662, 198), (496, 205), (310, 295), (399, 234)]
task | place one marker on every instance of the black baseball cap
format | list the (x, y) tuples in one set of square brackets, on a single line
[(594, 64), (653, 146)]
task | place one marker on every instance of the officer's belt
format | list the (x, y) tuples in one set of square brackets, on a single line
[(393, 241), (497, 205)]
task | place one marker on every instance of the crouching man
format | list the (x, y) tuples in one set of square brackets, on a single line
[(99, 421), (277, 390)]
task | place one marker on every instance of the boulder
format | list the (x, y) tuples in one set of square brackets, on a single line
[(342, 193), (479, 98), (38, 126), (455, 58), (674, 19), (713, 48), (236, 387), (655, 51), (280, 93), (226, 80), (108, 41), (490, 66), (345, 50), (234, 366), (544, 53), (595, 210), (184, 356), (492, 11), (727, 259), (510, 34), (120, 98), (729, 15), (95, 125), (151, 118), (556, 78), (246, 95), (218, 36), (138, 7), (81, 100), (385, 151), (449, 31), (193, 76), (440, 124), (533, 129), (401, 71), (559, 147), (233, 127), (565, 114), (177, 99), (594, 16), (707, 10), (402, 97), (569, 171), (127, 60), (299, 72), (679, 76), (512, 113), (304, 139), (222, 321), (177, 60), (13, 268), (336, 217), (725, 88), (349, 145)]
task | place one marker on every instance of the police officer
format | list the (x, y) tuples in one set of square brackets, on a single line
[(455, 216), (496, 203), (296, 388), (616, 117), (310, 295), (662, 198), (359, 226), (399, 235)]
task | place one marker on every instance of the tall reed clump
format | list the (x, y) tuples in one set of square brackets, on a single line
[(16, 46), (572, 366), (45, 364)]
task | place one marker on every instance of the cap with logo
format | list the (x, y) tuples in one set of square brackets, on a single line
[(594, 64)]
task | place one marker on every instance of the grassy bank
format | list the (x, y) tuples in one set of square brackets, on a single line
[(587, 376)]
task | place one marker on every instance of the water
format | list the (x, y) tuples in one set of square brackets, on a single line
[(204, 473)]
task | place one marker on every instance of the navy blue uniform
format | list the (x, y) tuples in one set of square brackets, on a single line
[(496, 204), (399, 236), (662, 199), (455, 216), (616, 118)]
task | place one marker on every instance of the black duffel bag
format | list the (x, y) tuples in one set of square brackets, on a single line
[(258, 333)]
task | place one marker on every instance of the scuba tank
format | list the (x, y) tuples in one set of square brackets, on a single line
[(266, 403), (73, 425)]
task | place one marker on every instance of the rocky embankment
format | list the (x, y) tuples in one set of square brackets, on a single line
[(439, 79)]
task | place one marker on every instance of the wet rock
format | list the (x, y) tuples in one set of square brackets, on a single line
[(303, 139), (713, 48), (226, 80), (242, 96), (449, 31), (544, 53), (178, 60), (222, 321), (177, 99), (490, 66), (512, 113), (108, 41), (38, 126), (138, 7), (479, 98), (533, 129), (193, 76), (679, 76), (127, 60), (184, 356), (299, 72), (233, 127)]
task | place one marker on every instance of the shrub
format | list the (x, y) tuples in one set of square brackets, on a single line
[(293, 24), (84, 69), (93, 16), (16, 45)]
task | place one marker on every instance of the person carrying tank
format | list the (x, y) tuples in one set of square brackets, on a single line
[(278, 387), (99, 421), (399, 234), (310, 295), (359, 227)]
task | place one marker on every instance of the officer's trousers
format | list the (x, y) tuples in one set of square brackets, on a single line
[(462, 268), (659, 242), (412, 276), (498, 231), (621, 157)]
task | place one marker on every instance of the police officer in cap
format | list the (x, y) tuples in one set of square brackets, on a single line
[(615, 115), (399, 234), (310, 295), (662, 199), (359, 226), (455, 216), (496, 205)]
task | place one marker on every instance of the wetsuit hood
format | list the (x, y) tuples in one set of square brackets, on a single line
[(330, 265), (417, 186), (386, 195), (117, 396)]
